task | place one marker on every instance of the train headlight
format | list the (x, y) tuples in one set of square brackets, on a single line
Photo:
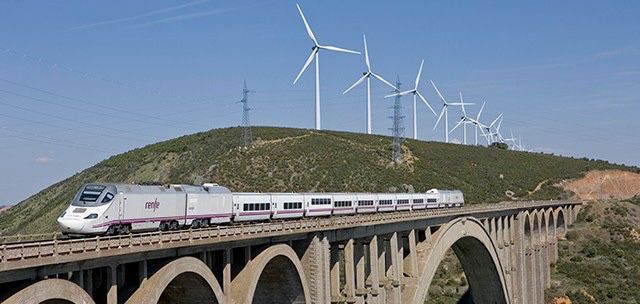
[(91, 216)]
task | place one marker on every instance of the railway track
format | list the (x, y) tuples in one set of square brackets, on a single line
[(25, 247)]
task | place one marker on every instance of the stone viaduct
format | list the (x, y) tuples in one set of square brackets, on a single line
[(506, 251)]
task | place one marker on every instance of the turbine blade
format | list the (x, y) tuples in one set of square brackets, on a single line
[(359, 81), (439, 117), (427, 103), (480, 112), (337, 49), (383, 80), (401, 93), (306, 25), (366, 53), (464, 111), (418, 76), (457, 125), (438, 91), (306, 64), (482, 131), (495, 120)]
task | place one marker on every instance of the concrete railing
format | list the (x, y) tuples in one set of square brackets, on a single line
[(21, 248)]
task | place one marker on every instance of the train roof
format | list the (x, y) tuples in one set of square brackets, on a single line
[(213, 188), (443, 191), (173, 188)]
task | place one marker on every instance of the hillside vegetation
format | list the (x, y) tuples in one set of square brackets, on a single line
[(600, 260), (286, 159)]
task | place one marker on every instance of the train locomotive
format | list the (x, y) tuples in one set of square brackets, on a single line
[(110, 209)]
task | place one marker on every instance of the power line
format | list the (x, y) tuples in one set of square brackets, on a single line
[(59, 67), (100, 126), (162, 121), (54, 141)]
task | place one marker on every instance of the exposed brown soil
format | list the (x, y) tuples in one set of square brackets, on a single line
[(561, 300), (4, 208), (605, 185)]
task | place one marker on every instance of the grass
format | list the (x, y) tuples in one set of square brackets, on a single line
[(285, 159)]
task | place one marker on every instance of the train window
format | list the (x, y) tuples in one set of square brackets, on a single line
[(365, 203), (293, 205), (418, 201), (342, 203), (385, 202), (107, 198), (403, 201), (432, 200), (320, 201)]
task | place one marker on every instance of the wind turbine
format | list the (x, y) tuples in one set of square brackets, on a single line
[(464, 119), (478, 125), (489, 133), (500, 138), (445, 112), (512, 139), (367, 75), (415, 93), (314, 55), (520, 144)]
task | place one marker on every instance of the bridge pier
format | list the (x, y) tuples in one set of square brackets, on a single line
[(412, 256), (373, 280), (112, 294)]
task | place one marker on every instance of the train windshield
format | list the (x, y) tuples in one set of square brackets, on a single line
[(89, 195)]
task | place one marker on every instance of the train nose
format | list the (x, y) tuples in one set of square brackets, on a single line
[(70, 225)]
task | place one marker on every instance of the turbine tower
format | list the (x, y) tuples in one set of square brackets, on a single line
[(247, 137), (315, 55), (367, 75), (415, 93)]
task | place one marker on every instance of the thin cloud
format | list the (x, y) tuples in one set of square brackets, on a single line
[(184, 17), (584, 60), (133, 18), (43, 159)]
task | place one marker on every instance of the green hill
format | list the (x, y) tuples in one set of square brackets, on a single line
[(286, 159)]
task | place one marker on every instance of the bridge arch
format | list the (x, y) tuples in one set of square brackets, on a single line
[(551, 229), (560, 221), (51, 291), (478, 256), (276, 275), (168, 285)]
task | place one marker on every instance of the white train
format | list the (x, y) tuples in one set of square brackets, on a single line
[(122, 208)]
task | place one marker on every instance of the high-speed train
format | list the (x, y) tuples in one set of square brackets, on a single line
[(123, 208)]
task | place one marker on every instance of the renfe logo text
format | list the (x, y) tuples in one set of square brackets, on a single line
[(152, 205)]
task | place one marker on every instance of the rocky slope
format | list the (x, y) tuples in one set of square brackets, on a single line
[(605, 184)]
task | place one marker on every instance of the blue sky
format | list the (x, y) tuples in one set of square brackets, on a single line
[(83, 80)]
